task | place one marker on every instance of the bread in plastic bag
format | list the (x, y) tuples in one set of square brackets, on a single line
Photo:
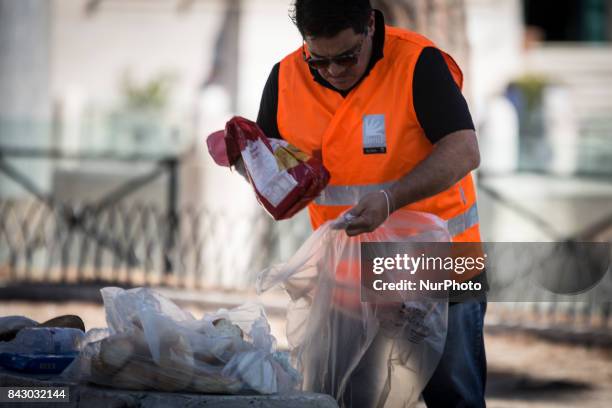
[(151, 344), (285, 180), (363, 354)]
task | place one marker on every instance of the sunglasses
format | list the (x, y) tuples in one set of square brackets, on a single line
[(346, 60)]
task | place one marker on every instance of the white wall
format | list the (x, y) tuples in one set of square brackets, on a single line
[(24, 88), (90, 52), (267, 35), (495, 33)]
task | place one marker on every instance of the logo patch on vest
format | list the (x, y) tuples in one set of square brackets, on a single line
[(374, 136)]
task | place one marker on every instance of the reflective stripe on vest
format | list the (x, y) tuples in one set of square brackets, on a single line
[(464, 221), (350, 195)]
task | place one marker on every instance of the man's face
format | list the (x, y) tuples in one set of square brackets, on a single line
[(345, 56)]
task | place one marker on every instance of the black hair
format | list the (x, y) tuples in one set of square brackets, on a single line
[(326, 18)]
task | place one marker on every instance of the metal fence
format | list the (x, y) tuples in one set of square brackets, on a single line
[(588, 321), (134, 245), (138, 245)]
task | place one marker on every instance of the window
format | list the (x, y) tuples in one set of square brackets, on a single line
[(569, 20)]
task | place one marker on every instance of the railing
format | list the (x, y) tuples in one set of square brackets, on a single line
[(77, 217), (124, 239), (128, 245), (581, 322)]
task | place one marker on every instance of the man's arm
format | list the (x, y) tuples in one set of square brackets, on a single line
[(454, 156), (268, 106)]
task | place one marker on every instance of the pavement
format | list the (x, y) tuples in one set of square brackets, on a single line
[(529, 366), (86, 396)]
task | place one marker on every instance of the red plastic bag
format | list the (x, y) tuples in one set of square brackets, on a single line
[(285, 179)]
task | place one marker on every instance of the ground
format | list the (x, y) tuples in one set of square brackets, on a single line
[(524, 370)]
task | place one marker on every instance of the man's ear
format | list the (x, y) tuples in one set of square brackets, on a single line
[(371, 23)]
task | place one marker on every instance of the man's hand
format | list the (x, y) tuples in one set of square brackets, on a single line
[(370, 213)]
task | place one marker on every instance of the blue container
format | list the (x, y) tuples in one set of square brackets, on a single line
[(41, 350), (36, 363)]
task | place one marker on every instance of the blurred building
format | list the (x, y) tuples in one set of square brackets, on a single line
[(154, 77), (561, 63), (542, 104), (140, 78), (96, 65)]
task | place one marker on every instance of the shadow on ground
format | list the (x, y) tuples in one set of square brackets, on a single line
[(518, 386)]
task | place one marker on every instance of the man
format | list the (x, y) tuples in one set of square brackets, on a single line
[(383, 109)]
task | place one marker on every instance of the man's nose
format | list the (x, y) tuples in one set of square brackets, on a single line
[(335, 69)]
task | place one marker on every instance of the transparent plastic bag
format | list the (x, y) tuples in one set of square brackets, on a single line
[(363, 354), (152, 344), (10, 326)]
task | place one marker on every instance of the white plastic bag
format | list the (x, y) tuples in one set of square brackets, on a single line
[(152, 344), (363, 354)]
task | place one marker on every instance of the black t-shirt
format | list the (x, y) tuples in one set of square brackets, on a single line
[(440, 107)]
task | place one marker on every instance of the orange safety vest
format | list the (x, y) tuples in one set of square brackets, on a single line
[(319, 121)]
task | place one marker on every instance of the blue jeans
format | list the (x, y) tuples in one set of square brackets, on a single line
[(460, 377)]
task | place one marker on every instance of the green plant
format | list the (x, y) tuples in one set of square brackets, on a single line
[(152, 94), (532, 87)]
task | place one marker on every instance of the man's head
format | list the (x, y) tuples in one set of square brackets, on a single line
[(338, 36)]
